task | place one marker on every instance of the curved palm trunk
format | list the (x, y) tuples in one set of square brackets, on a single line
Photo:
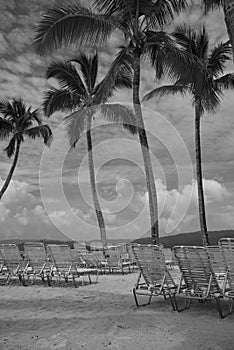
[(97, 206), (228, 7), (201, 200), (153, 204), (9, 176)]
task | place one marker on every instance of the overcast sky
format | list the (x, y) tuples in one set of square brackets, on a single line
[(50, 194)]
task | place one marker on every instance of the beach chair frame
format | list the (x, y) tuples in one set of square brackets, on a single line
[(13, 263), (198, 280), (157, 280), (38, 262)]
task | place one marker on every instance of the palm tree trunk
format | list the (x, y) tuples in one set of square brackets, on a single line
[(153, 204), (228, 7), (97, 206), (9, 176), (201, 200)]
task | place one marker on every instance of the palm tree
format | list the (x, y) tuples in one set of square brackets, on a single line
[(228, 9), (206, 89), (80, 94), (18, 121), (141, 23)]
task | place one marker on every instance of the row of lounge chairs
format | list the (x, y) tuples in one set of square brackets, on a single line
[(47, 263), (207, 273)]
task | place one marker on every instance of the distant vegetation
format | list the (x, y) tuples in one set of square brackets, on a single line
[(191, 238)]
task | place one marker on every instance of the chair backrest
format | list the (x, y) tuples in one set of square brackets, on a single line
[(77, 256), (96, 246), (196, 268), (227, 247), (113, 255), (216, 259), (151, 262), (61, 256), (81, 247), (36, 254), (11, 256)]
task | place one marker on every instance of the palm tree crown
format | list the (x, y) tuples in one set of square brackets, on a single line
[(208, 82), (80, 93), (18, 121)]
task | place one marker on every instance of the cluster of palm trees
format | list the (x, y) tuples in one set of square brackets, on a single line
[(183, 56)]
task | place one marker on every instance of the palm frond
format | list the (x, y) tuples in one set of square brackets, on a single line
[(34, 115), (71, 24), (195, 41), (75, 124), (225, 82), (120, 114), (67, 76), (10, 149), (169, 59), (43, 131), (218, 58), (6, 108), (212, 4), (210, 99), (89, 69), (165, 91), (162, 11), (118, 76), (59, 100), (6, 128)]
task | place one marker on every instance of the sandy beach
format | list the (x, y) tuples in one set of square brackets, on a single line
[(104, 316)]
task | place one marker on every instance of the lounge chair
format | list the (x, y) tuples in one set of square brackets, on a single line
[(116, 260), (38, 262), (13, 263), (198, 280), (64, 265), (227, 247), (157, 280)]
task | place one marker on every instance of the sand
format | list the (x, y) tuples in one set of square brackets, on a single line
[(104, 316)]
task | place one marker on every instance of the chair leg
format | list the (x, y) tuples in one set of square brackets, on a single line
[(48, 280), (173, 302), (74, 281), (230, 306), (135, 297), (219, 307)]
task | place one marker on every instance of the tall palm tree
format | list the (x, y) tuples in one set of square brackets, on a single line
[(228, 9), (141, 22), (206, 89), (16, 122), (80, 94)]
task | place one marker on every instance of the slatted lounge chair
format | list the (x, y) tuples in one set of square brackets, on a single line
[(157, 280), (198, 280), (116, 260), (38, 263), (80, 247), (64, 265), (227, 247), (14, 265), (217, 261)]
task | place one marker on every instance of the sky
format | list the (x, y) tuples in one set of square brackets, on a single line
[(49, 195)]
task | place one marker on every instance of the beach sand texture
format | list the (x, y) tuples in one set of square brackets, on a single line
[(104, 316)]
